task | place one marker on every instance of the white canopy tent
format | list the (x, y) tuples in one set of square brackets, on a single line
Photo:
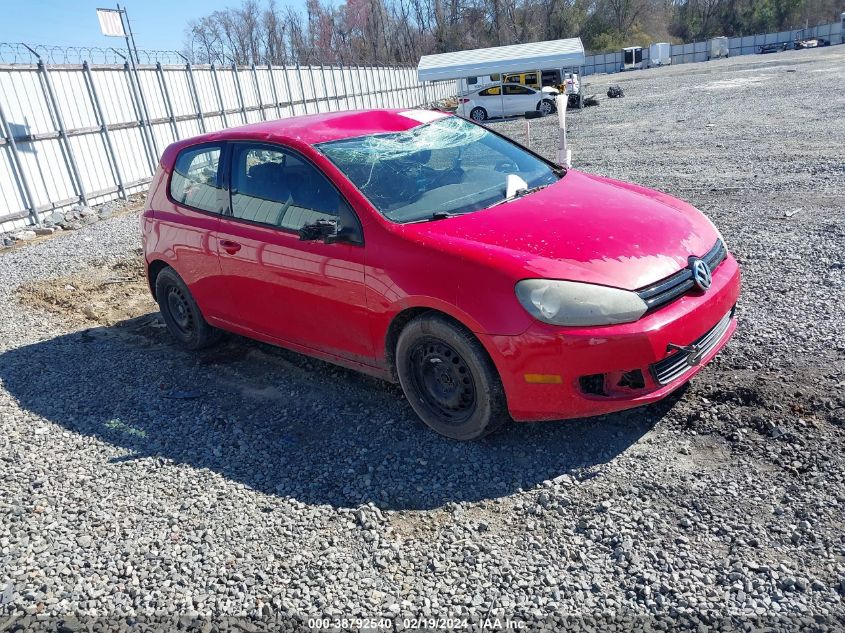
[(550, 54)]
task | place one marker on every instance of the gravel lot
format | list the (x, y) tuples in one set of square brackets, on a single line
[(140, 482)]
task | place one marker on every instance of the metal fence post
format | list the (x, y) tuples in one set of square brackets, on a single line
[(379, 79), (195, 95), (301, 88), (165, 92), (258, 93), (334, 88), (364, 104), (402, 78), (23, 181), (325, 87), (374, 73), (290, 94), (314, 87), (393, 82), (239, 91), (76, 179), (104, 129), (391, 87), (345, 89), (219, 96), (145, 137), (275, 91), (388, 86), (403, 81), (369, 81)]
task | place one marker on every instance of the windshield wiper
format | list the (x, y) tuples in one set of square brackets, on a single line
[(437, 215), (519, 193)]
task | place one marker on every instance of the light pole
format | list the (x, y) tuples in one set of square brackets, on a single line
[(115, 23)]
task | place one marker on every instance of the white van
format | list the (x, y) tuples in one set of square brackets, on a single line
[(469, 84)]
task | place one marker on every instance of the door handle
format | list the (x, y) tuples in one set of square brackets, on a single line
[(230, 247)]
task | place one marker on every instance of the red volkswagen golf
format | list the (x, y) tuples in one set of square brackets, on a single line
[(421, 247)]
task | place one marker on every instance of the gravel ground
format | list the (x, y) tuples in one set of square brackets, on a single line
[(140, 482)]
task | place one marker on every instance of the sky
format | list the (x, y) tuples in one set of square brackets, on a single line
[(157, 24)]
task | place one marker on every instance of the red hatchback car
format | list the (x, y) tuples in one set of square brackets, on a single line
[(424, 248)]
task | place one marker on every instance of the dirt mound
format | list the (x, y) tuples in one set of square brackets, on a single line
[(102, 294)]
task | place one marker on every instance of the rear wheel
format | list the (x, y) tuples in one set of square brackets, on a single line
[(181, 313), (449, 380), (478, 114)]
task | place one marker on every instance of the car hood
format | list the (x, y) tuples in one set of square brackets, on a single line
[(583, 228)]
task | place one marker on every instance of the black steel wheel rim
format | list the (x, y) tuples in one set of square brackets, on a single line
[(443, 380), (180, 310)]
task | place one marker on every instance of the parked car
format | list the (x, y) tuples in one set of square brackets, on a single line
[(423, 248), (491, 102), (773, 48), (810, 43)]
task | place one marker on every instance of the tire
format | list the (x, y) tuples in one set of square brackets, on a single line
[(181, 313), (546, 106), (449, 379), (478, 114)]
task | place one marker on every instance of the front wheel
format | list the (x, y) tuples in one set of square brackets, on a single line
[(449, 380), (181, 313), (478, 114), (546, 106)]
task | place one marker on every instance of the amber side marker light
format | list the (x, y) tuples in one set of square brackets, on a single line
[(543, 379)]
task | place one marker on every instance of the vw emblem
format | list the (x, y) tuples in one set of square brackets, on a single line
[(701, 275)]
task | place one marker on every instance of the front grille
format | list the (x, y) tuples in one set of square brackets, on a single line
[(677, 364), (671, 288)]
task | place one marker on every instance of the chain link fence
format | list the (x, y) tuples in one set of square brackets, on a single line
[(85, 132)]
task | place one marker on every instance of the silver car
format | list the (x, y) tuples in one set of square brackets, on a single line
[(508, 99)]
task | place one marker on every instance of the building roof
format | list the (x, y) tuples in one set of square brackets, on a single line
[(502, 59)]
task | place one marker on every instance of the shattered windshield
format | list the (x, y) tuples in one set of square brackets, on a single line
[(448, 166)]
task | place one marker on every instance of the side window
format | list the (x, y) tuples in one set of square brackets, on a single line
[(195, 181), (518, 90), (489, 92), (494, 77), (531, 79), (279, 189)]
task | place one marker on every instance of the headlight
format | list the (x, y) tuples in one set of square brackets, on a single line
[(572, 303)]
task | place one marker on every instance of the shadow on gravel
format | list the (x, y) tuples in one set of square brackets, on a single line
[(287, 425)]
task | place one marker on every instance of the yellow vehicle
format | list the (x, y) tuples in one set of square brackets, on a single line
[(531, 78)]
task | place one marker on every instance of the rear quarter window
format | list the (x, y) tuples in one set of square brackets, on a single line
[(196, 181)]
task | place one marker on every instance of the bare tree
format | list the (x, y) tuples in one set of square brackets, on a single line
[(391, 31)]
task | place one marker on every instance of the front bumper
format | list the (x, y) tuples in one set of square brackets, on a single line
[(552, 373)]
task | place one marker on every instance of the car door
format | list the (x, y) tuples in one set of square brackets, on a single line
[(518, 99), (491, 100), (306, 292), (187, 223)]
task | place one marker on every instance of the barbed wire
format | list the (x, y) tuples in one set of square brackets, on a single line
[(21, 53)]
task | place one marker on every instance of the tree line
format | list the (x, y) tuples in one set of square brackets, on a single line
[(400, 31)]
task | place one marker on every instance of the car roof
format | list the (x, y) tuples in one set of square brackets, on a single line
[(319, 128)]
